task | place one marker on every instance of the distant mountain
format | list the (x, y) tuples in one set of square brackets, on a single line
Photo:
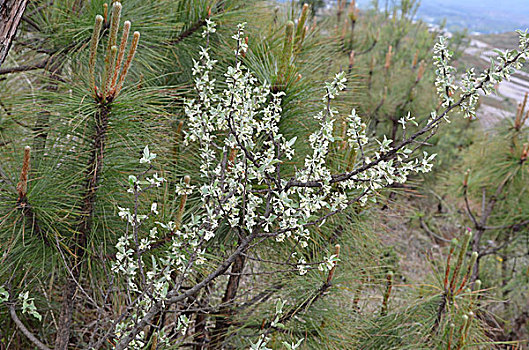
[(483, 16)]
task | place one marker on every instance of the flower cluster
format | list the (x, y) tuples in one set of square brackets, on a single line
[(145, 273), (28, 303), (356, 131), (210, 28), (252, 151), (445, 80), (501, 67), (244, 183), (262, 341)]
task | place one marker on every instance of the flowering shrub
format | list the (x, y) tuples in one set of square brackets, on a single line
[(245, 186)]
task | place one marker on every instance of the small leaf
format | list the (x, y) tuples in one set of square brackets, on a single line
[(4, 295), (292, 141)]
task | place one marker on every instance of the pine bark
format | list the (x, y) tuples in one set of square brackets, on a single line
[(11, 12), (95, 168)]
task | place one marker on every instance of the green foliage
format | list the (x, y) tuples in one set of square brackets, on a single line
[(486, 180)]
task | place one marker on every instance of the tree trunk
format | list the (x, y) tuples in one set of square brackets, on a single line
[(11, 12), (81, 238), (226, 313), (62, 337)]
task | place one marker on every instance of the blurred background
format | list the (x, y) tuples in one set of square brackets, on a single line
[(479, 16)]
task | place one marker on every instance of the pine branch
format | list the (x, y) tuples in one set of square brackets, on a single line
[(188, 32), (25, 68), (22, 201), (95, 167)]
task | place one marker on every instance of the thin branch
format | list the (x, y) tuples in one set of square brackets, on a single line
[(188, 32), (373, 44), (431, 233), (24, 330), (515, 226), (391, 154), (498, 248), (31, 23), (467, 205), (25, 68)]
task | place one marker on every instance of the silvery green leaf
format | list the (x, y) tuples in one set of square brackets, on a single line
[(4, 295)]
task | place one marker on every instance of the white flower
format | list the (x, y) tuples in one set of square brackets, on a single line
[(155, 180), (302, 267), (145, 244), (210, 28), (170, 226), (184, 189), (147, 155), (153, 232), (124, 213), (241, 156), (28, 305)]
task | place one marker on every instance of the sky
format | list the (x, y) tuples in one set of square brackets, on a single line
[(485, 16)]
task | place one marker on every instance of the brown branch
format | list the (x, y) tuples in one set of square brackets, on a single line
[(25, 68), (219, 333), (174, 296), (223, 322), (496, 249), (373, 44), (31, 23), (336, 178), (467, 206), (440, 311), (486, 212), (24, 329), (29, 214), (515, 226), (93, 173), (188, 32), (425, 227)]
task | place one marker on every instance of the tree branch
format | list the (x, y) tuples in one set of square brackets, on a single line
[(172, 297), (188, 32), (25, 68), (24, 330)]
